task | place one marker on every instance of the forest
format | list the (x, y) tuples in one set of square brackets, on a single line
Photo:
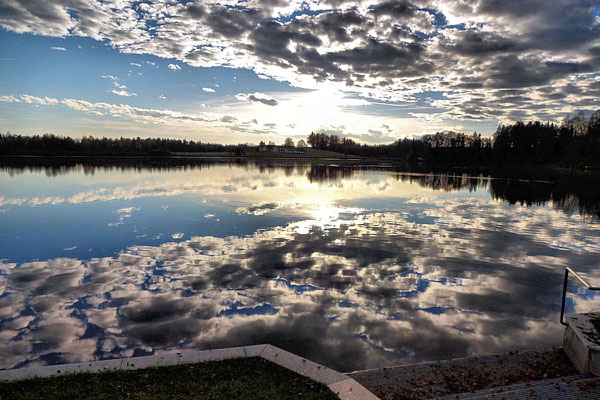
[(88, 145), (575, 142)]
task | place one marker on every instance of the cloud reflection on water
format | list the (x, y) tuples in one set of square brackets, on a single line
[(351, 288)]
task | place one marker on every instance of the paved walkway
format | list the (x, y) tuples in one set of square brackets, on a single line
[(566, 388), (542, 374)]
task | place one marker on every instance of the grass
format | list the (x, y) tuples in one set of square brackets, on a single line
[(202, 154), (245, 378), (309, 153)]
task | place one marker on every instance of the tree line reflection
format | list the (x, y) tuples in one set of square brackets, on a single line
[(572, 191)]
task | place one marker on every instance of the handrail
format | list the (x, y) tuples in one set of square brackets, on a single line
[(564, 294)]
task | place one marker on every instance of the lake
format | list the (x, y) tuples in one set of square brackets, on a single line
[(350, 266)]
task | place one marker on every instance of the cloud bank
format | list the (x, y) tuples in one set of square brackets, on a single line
[(493, 59)]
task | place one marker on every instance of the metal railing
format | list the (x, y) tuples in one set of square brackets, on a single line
[(564, 294)]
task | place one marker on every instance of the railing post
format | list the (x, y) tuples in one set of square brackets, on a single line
[(564, 296)]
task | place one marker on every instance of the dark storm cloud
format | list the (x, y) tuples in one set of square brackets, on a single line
[(258, 98), (514, 72), (375, 57), (480, 44), (22, 16), (196, 10), (269, 102), (232, 23), (394, 8), (271, 39), (338, 26), (517, 72), (513, 8)]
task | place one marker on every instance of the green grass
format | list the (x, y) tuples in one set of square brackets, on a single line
[(202, 154), (245, 378), (309, 153)]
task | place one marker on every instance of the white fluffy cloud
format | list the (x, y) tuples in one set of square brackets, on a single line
[(120, 89), (494, 59), (122, 92), (141, 115)]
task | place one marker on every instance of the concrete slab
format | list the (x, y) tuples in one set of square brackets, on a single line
[(192, 356), (582, 342), (174, 357), (149, 361), (349, 389), (568, 388), (254, 351), (302, 366), (225, 354), (53, 370), (132, 363)]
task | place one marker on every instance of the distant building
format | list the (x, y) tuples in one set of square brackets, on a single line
[(279, 149)]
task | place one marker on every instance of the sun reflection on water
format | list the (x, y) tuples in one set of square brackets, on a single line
[(354, 269)]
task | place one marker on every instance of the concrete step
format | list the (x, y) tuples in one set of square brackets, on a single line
[(565, 388)]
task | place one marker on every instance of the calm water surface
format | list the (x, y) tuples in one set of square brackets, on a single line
[(351, 267)]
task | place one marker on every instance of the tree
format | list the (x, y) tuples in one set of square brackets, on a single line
[(593, 130), (271, 143), (312, 140), (288, 142), (262, 143), (301, 144)]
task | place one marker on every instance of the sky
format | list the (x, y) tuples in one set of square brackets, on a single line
[(249, 71)]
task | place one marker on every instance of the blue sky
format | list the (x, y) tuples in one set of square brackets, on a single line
[(230, 72)]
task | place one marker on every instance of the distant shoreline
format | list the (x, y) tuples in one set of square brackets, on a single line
[(308, 153), (187, 156), (336, 157)]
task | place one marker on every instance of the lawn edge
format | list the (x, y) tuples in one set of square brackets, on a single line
[(343, 386)]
